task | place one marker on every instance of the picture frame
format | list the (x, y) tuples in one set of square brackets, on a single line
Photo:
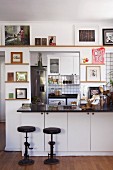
[(52, 40), (86, 35), (38, 41), (16, 57), (10, 76), (21, 76), (98, 55), (11, 96), (93, 73), (21, 93), (93, 91), (17, 35), (107, 36), (44, 41)]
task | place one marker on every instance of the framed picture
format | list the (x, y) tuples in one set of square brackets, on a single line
[(98, 55), (93, 91), (44, 41), (93, 73), (38, 41), (17, 35), (52, 40), (10, 76), (107, 36), (86, 35), (16, 57), (21, 76), (21, 93), (11, 95)]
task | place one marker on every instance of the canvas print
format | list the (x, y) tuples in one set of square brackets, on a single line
[(17, 35)]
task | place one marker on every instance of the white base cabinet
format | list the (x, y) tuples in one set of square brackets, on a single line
[(56, 120), (78, 132), (102, 132)]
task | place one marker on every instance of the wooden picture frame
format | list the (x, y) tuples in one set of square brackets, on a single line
[(21, 93), (107, 36), (52, 40), (44, 41), (93, 73), (86, 35), (10, 76), (21, 76), (16, 57), (38, 41)]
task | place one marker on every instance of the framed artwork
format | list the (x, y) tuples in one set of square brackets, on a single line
[(11, 95), (44, 41), (21, 93), (86, 35), (52, 40), (21, 76), (93, 91), (98, 55), (107, 36), (17, 35), (93, 73), (10, 76), (16, 57), (38, 41)]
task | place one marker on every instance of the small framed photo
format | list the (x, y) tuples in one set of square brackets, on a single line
[(93, 91), (21, 93), (10, 76), (107, 36), (11, 95), (21, 76), (44, 41), (16, 57), (38, 41), (85, 35), (52, 40), (93, 73)]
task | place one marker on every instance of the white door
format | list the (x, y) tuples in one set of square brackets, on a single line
[(102, 131), (35, 138), (56, 120), (78, 132), (76, 65), (66, 65)]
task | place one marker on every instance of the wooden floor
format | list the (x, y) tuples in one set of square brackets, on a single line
[(9, 160)]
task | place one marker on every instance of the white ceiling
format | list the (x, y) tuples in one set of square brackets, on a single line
[(56, 10)]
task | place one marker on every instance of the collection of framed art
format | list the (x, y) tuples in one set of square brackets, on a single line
[(20, 35)]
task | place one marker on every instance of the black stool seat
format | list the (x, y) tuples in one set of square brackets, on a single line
[(52, 130), (25, 129)]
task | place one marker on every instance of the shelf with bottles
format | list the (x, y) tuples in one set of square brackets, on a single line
[(68, 80)]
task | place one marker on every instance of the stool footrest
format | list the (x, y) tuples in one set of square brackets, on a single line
[(51, 143)]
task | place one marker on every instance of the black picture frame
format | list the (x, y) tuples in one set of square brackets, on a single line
[(107, 36), (93, 91), (21, 93), (38, 41)]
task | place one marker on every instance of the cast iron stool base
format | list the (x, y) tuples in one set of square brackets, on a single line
[(51, 161), (26, 162)]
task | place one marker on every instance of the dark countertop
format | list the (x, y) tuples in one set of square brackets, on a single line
[(63, 96), (48, 108)]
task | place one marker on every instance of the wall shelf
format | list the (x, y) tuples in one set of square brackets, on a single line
[(93, 81), (17, 64), (16, 81), (90, 64), (17, 99)]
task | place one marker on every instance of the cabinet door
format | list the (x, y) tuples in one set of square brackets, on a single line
[(76, 67), (56, 120), (102, 132), (53, 65), (36, 139), (66, 65), (78, 132)]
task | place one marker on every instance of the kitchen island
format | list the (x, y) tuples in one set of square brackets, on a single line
[(83, 132)]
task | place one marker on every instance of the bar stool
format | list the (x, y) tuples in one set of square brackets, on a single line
[(26, 129), (51, 159)]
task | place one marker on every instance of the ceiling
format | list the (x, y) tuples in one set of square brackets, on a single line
[(56, 10)]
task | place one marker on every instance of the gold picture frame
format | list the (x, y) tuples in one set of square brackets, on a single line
[(21, 76), (93, 73), (16, 57)]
